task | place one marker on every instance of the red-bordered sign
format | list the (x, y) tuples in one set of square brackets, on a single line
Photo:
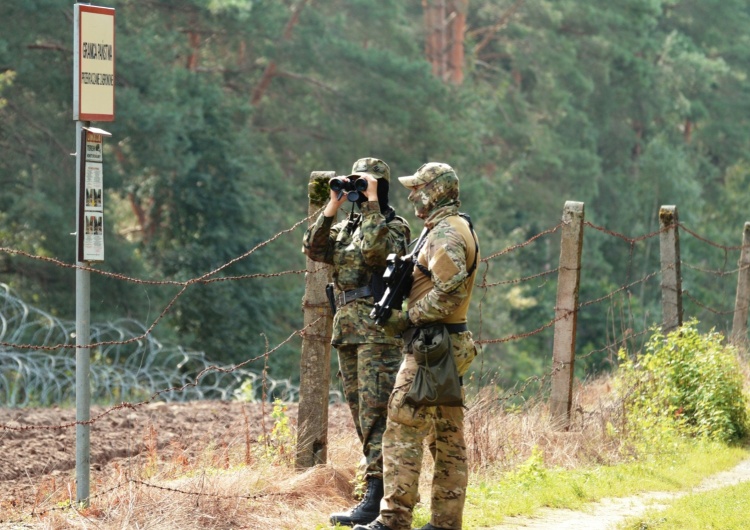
[(94, 63)]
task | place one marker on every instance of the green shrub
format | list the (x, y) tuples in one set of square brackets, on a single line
[(687, 383)]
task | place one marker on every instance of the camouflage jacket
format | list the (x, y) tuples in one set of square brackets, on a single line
[(356, 255), (449, 254)]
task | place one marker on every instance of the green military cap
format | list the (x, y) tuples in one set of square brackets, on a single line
[(426, 174), (371, 166)]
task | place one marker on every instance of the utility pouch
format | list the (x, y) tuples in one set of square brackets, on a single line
[(436, 381), (331, 297)]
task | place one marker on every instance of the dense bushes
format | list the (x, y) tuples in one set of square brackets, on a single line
[(688, 383)]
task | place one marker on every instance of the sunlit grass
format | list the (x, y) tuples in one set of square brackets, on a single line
[(724, 508), (532, 486)]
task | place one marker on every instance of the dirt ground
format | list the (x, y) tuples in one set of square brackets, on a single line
[(37, 456)]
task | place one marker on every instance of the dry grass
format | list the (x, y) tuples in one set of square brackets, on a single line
[(264, 495), (220, 491), (499, 439)]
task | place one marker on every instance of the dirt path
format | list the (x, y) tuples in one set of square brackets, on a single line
[(607, 513)]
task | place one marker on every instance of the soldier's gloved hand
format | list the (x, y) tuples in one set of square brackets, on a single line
[(397, 323)]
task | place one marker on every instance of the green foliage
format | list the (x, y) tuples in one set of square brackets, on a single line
[(531, 471), (224, 107), (279, 444), (245, 392), (687, 382)]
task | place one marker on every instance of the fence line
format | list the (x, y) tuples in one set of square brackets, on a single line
[(25, 328), (7, 357)]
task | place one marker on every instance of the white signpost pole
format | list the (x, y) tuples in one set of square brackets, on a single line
[(93, 100)]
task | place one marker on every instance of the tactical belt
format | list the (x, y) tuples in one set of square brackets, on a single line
[(345, 297), (452, 328), (456, 328)]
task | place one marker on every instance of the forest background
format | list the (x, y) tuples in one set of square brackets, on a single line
[(224, 107)]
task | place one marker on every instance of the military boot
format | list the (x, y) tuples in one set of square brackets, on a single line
[(367, 510)]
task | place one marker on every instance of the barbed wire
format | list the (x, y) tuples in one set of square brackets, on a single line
[(715, 272), (624, 288), (524, 244), (113, 378), (485, 285), (227, 389), (629, 240), (690, 297), (198, 279), (725, 248), (139, 364)]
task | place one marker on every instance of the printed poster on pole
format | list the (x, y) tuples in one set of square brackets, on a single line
[(91, 222)]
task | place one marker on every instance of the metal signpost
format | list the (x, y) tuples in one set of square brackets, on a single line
[(93, 100)]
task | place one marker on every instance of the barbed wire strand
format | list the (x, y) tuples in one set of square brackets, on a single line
[(516, 391)]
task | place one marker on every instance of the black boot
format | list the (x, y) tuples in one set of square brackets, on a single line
[(367, 510), (429, 526)]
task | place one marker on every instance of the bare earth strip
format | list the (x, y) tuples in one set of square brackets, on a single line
[(607, 513)]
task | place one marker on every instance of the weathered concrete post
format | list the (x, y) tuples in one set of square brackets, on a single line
[(315, 361), (671, 278), (742, 300), (566, 314)]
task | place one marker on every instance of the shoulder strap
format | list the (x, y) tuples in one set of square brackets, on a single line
[(390, 215), (353, 222), (465, 217), (415, 253)]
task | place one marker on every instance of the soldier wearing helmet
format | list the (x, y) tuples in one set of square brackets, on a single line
[(443, 279), (369, 358)]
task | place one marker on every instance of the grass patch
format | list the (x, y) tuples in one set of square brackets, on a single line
[(533, 486), (724, 508)]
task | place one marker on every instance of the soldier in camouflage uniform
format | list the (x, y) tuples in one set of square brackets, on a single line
[(441, 292), (369, 357)]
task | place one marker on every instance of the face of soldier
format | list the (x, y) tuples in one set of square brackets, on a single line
[(420, 199), (439, 192)]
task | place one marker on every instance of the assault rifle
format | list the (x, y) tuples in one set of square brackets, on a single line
[(397, 279)]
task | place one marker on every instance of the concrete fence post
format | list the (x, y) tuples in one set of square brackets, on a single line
[(566, 314), (671, 277), (742, 300), (315, 360)]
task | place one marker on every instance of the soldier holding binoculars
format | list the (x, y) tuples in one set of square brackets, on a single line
[(369, 358)]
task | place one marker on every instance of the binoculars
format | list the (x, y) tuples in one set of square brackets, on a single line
[(352, 188)]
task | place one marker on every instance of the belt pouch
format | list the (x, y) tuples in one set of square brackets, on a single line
[(436, 381)]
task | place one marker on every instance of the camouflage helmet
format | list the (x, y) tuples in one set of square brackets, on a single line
[(426, 174), (371, 166)]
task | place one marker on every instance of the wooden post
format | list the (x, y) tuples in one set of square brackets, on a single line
[(315, 360), (671, 278), (566, 314), (741, 302)]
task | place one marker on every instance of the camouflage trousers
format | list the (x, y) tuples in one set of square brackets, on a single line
[(408, 428), (368, 372)]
